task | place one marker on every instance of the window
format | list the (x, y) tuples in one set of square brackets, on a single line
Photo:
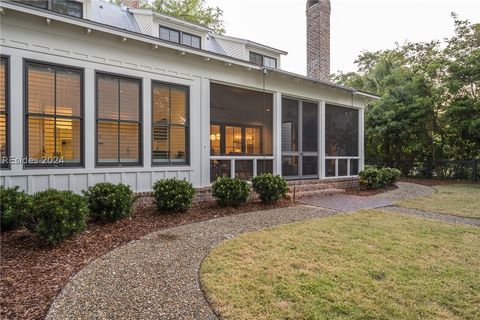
[(256, 58), (170, 124), (4, 109), (169, 34), (54, 115), (262, 60), (191, 40), (173, 35), (119, 124), (235, 140), (269, 62), (68, 7)]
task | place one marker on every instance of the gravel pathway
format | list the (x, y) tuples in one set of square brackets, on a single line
[(156, 277), (433, 215)]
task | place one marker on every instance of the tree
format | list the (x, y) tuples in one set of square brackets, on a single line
[(429, 106), (195, 11)]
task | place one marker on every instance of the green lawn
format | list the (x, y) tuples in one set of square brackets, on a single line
[(368, 265), (458, 199)]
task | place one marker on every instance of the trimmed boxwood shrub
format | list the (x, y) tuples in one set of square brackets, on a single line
[(109, 202), (173, 194), (56, 215), (270, 188), (374, 178), (13, 206), (390, 176), (230, 192)]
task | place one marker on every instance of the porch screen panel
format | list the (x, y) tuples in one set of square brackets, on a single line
[(54, 117), (119, 122), (241, 121), (310, 127), (289, 124), (341, 131), (4, 147), (170, 124)]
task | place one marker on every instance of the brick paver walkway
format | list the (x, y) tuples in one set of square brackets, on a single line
[(350, 203), (346, 202)]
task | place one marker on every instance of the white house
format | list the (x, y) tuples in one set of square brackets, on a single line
[(94, 92)]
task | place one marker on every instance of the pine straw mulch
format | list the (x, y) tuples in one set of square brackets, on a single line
[(32, 275)]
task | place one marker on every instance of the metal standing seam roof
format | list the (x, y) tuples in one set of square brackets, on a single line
[(113, 15)]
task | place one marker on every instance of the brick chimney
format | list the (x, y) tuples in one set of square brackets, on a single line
[(318, 39), (131, 3)]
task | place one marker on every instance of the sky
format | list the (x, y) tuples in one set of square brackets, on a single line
[(356, 25)]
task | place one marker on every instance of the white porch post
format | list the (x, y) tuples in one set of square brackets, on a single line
[(147, 123), (321, 139), (89, 120), (277, 134), (361, 138), (16, 112), (205, 132)]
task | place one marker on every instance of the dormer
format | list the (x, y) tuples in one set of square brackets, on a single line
[(170, 29)]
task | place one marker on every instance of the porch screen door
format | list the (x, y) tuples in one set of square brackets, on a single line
[(299, 139)]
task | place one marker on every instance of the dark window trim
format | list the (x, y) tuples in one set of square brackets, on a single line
[(140, 122), (263, 58), (180, 36), (5, 58), (169, 163), (80, 164), (244, 144), (50, 7)]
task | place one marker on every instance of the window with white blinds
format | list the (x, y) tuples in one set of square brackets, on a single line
[(4, 143), (54, 115), (170, 124), (119, 122)]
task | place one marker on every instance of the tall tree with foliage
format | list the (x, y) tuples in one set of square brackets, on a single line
[(429, 106), (196, 11)]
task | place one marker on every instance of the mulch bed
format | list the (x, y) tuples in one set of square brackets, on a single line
[(368, 193), (436, 182), (32, 274)]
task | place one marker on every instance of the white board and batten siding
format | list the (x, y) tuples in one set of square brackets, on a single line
[(60, 43)]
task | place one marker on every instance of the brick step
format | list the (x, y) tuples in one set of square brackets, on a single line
[(318, 193), (310, 187), (304, 182)]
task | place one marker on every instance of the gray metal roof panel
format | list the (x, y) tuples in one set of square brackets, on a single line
[(113, 15), (212, 45)]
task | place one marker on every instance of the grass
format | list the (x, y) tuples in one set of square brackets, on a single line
[(458, 199), (369, 265)]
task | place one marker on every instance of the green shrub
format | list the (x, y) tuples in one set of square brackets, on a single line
[(270, 188), (390, 176), (374, 178), (56, 215), (13, 206), (230, 192), (370, 178), (109, 202), (173, 194)]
